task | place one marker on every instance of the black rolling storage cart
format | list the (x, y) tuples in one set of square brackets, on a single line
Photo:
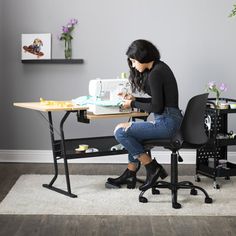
[(211, 160)]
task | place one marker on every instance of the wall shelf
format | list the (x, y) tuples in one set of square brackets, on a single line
[(54, 61)]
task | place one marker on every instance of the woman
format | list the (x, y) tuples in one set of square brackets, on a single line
[(152, 76)]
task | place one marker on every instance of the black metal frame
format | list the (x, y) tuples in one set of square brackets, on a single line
[(216, 148), (64, 148), (50, 185)]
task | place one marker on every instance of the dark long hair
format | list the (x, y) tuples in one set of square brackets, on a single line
[(144, 52)]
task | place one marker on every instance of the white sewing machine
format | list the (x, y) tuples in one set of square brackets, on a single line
[(107, 90)]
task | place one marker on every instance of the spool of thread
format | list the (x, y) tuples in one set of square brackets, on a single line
[(233, 106), (117, 147), (123, 75)]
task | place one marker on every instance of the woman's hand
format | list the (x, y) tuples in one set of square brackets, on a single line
[(126, 104), (126, 96)]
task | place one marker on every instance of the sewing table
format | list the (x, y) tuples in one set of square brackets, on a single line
[(63, 148)]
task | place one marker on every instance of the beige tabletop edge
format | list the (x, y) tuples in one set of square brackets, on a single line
[(41, 107), (46, 108)]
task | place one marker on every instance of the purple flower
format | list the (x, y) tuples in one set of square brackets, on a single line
[(211, 84), (65, 29), (69, 25), (223, 87), (213, 87), (73, 21)]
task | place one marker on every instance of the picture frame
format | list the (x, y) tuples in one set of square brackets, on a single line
[(36, 46)]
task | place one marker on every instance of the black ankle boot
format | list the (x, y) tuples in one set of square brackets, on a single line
[(154, 171), (128, 177)]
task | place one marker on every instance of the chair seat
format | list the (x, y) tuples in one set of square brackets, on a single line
[(157, 142), (169, 144)]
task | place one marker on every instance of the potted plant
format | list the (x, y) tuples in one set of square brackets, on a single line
[(217, 89), (66, 35)]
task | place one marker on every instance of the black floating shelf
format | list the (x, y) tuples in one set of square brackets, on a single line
[(54, 61)]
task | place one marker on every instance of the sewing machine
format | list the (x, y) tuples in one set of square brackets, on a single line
[(107, 90)]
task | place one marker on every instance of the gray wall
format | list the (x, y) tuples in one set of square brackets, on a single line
[(196, 38), (1, 61), (1, 35)]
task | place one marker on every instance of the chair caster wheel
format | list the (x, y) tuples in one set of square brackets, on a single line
[(197, 178), (155, 191), (176, 205), (143, 199), (208, 200), (216, 186), (193, 191)]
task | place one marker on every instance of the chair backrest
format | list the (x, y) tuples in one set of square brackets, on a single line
[(192, 128)]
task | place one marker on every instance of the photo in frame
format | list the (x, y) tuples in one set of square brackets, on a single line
[(36, 46)]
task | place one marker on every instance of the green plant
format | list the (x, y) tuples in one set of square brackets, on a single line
[(233, 11), (212, 87)]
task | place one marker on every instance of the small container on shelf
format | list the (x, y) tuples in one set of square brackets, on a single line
[(232, 105)]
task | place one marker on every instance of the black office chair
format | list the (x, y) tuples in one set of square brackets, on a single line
[(190, 135)]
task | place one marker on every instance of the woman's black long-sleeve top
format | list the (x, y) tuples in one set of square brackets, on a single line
[(161, 85)]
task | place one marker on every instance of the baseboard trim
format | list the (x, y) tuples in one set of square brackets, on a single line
[(45, 156)]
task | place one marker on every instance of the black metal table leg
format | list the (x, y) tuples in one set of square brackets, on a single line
[(53, 152), (53, 148), (63, 153)]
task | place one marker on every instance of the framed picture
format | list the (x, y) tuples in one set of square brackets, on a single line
[(35, 46)]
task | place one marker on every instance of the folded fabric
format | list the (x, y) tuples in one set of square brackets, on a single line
[(86, 100)]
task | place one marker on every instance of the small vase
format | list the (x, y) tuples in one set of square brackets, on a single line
[(217, 102), (68, 49)]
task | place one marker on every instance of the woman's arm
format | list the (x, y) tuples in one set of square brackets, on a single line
[(156, 103), (144, 100)]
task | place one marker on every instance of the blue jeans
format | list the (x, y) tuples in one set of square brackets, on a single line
[(163, 126)]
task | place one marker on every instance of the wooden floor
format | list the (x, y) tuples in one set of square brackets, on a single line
[(28, 225)]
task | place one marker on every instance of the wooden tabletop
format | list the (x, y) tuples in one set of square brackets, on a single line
[(38, 106), (92, 116)]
